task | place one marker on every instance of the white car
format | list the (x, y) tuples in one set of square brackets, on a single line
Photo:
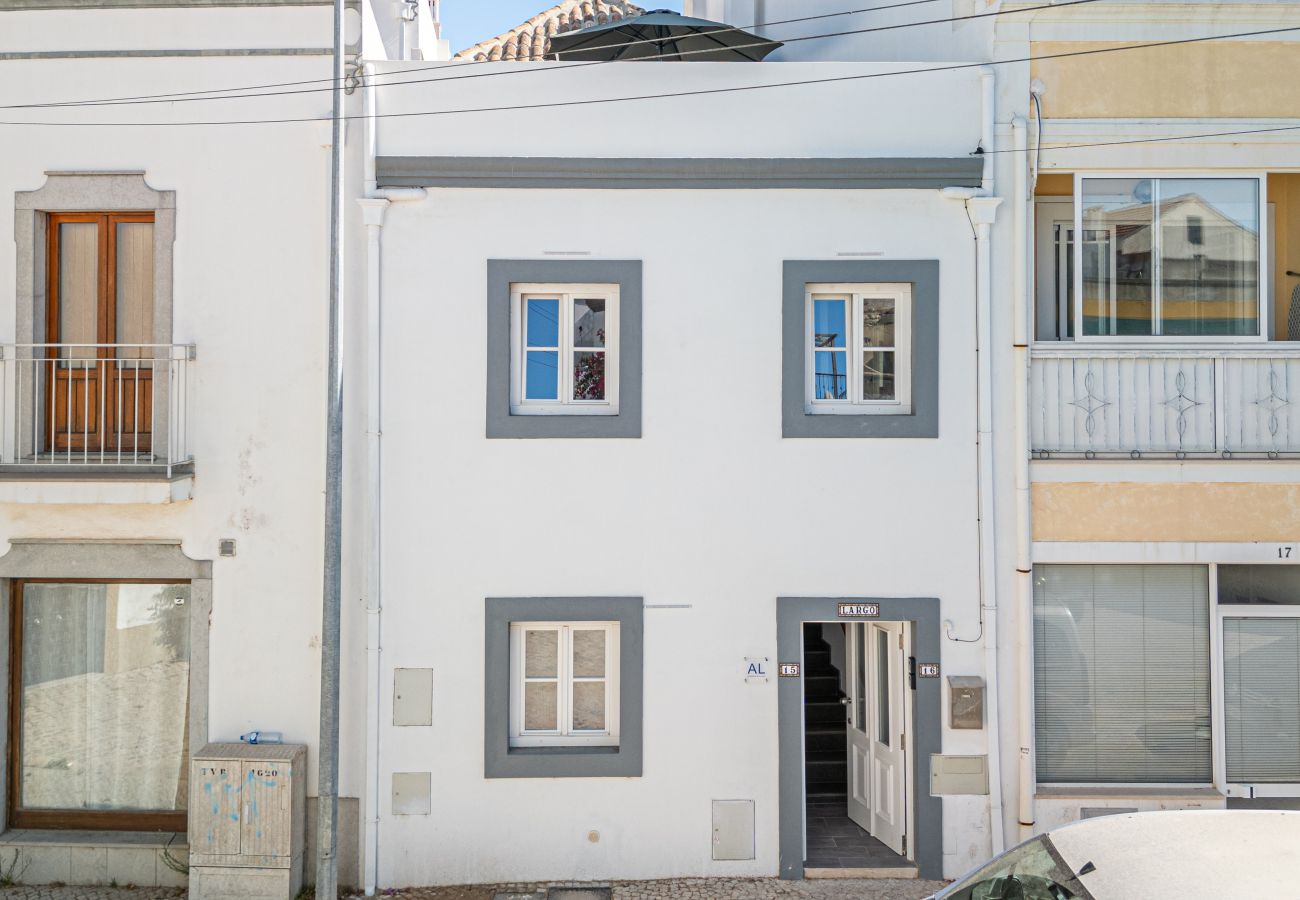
[(1185, 854)]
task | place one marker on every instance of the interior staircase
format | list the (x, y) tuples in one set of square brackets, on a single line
[(825, 744)]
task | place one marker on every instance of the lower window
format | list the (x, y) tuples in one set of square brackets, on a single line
[(1122, 674), (564, 684), (100, 701)]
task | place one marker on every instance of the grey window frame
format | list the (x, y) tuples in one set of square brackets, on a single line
[(501, 274), (923, 420), (500, 760)]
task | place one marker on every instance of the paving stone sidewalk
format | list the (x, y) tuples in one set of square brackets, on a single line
[(694, 889), (78, 892), (669, 889)]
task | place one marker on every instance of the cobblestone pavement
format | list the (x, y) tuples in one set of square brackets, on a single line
[(694, 889), (76, 892), (669, 889)]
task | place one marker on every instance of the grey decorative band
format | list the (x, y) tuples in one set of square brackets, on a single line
[(704, 174)]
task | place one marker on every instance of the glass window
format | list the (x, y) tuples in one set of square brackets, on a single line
[(103, 696), (1261, 699), (1177, 257), (563, 681), (1122, 674), (1260, 585), (566, 343), (882, 687), (858, 350)]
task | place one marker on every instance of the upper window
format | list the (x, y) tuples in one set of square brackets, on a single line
[(100, 331), (565, 358), (858, 349), (564, 683), (1167, 257)]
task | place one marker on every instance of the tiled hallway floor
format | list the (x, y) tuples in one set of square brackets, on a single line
[(837, 842)]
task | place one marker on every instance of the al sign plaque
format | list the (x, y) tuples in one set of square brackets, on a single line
[(859, 610)]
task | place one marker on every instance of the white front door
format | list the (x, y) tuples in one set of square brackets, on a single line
[(859, 734), (886, 715)]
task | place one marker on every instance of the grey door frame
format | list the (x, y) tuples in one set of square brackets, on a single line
[(926, 840)]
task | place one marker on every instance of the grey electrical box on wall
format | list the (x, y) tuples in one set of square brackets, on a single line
[(965, 701), (247, 821)]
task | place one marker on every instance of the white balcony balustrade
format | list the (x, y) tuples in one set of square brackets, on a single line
[(1190, 402), (95, 406)]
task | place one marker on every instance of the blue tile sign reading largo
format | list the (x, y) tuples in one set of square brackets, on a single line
[(859, 610)]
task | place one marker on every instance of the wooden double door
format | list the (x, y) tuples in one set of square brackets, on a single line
[(99, 369)]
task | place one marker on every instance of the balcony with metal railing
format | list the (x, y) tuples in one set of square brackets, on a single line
[(1239, 400), (90, 411)]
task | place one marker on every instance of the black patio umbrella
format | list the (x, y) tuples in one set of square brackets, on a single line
[(661, 34)]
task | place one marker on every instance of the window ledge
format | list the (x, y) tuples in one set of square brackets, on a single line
[(596, 750), (70, 838), (1124, 792), (95, 484)]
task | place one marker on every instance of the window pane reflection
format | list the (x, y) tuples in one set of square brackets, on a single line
[(104, 696), (589, 654), (542, 375), (589, 706), (830, 373), (877, 323), (1209, 256), (830, 323), (878, 375), (589, 323), (1118, 220), (541, 654), (589, 376), (539, 706), (543, 323), (1171, 256)]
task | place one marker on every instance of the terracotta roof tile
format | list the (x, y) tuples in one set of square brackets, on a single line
[(532, 39)]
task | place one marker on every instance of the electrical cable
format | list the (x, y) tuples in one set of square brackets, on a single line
[(231, 93), (676, 94)]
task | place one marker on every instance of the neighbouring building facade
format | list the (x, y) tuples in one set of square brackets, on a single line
[(808, 465), (162, 327)]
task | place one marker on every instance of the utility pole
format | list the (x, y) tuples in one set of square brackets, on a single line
[(328, 761)]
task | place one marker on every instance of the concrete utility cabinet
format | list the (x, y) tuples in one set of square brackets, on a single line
[(247, 821)]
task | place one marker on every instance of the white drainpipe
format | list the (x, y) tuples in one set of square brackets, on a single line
[(1024, 566), (373, 207), (981, 208)]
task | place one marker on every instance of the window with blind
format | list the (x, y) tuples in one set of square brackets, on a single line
[(1122, 674), (1261, 699)]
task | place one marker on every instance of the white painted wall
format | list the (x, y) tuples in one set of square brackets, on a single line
[(876, 111), (710, 508), (249, 291)]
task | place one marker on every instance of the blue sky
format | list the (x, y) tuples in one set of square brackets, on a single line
[(466, 22)]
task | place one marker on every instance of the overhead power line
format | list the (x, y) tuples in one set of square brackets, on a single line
[(264, 90), (596, 101), (1153, 140)]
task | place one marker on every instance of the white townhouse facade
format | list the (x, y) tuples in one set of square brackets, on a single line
[(163, 294), (693, 381), (1144, 421), (975, 529)]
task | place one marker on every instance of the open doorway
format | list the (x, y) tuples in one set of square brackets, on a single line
[(917, 704), (856, 758)]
